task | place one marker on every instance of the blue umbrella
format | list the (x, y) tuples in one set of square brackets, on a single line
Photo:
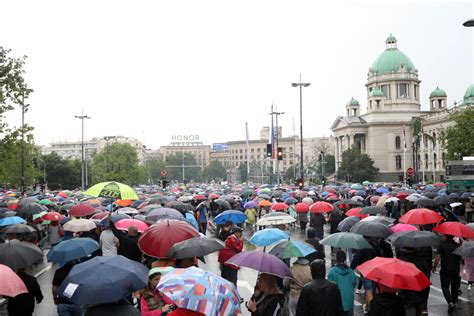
[(291, 201), (234, 216), (361, 193), (325, 193), (268, 236), (382, 190), (455, 195), (72, 249), (189, 217), (103, 280), (11, 220), (357, 186), (292, 248)]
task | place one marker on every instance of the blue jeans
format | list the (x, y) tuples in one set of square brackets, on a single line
[(69, 310)]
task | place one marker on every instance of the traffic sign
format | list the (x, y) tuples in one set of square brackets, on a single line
[(163, 173), (410, 171)]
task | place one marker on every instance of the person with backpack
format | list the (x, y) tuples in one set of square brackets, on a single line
[(271, 301), (386, 302), (345, 279)]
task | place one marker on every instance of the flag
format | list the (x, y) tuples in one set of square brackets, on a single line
[(404, 139)]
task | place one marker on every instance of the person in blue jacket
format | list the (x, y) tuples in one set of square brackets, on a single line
[(345, 279)]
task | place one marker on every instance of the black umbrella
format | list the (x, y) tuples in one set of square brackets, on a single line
[(147, 209), (346, 224), (112, 309), (349, 202), (29, 209), (18, 254), (387, 221), (27, 200), (466, 195), (180, 206), (223, 205), (19, 229), (7, 214), (195, 247), (163, 213), (466, 250), (371, 229), (414, 239), (158, 200), (431, 195), (424, 202), (443, 199), (373, 210)]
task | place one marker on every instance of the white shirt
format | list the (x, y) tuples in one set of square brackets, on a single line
[(108, 242)]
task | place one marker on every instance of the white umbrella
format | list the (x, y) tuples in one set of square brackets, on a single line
[(357, 198), (308, 200), (275, 218), (79, 225), (455, 204)]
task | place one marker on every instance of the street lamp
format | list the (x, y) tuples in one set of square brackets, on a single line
[(83, 156), (301, 85), (469, 23), (24, 109)]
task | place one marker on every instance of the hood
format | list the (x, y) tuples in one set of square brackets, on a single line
[(341, 271)]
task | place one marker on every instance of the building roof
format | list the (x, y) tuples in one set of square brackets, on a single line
[(469, 95), (376, 93), (438, 93), (352, 102), (391, 59)]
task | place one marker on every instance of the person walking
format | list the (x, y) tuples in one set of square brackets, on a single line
[(202, 217), (450, 270), (361, 256), (128, 242), (301, 275), (225, 231), (469, 272), (108, 242), (317, 221), (271, 301), (386, 302), (319, 297), (55, 233), (345, 279), (233, 245), (152, 301), (313, 241), (24, 304)]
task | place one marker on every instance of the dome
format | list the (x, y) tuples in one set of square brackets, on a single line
[(352, 102), (438, 93), (376, 93), (391, 59), (469, 95)]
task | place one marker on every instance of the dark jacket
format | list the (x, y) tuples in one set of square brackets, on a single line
[(320, 297), (362, 256), (128, 244), (269, 305), (319, 254), (421, 258), (24, 304), (386, 304)]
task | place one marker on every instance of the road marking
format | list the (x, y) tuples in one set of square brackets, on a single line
[(441, 291), (49, 265), (245, 285)]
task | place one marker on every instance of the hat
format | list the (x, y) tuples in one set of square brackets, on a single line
[(161, 270), (235, 229)]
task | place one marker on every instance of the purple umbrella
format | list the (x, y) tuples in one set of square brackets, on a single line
[(250, 204), (261, 261)]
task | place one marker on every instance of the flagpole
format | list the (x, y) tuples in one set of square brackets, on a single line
[(404, 155), (423, 154), (434, 171)]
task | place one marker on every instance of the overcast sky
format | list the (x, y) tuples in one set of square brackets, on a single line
[(152, 69)]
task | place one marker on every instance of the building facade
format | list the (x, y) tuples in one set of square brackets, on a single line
[(195, 147), (383, 131)]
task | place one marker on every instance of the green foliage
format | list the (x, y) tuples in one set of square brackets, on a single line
[(215, 170), (10, 160), (174, 165), (330, 164), (152, 169), (458, 140), (61, 173), (359, 166), (243, 172), (117, 162)]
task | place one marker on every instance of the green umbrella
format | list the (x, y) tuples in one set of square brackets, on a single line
[(366, 182), (247, 192), (346, 240), (112, 189), (45, 202), (36, 216), (291, 249)]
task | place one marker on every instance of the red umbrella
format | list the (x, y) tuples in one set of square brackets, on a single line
[(403, 228), (332, 198), (100, 215), (280, 207), (301, 207), (321, 207), (454, 229), (200, 197), (421, 216), (394, 273), (124, 224), (11, 284), (81, 210), (214, 196), (402, 195), (157, 240), (330, 190), (356, 212), (53, 216), (374, 199)]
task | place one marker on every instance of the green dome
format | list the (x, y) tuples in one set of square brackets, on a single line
[(438, 93), (352, 102), (469, 95), (391, 59), (377, 93)]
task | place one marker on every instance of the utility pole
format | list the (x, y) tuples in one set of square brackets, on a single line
[(24, 109), (301, 85), (277, 169), (83, 156)]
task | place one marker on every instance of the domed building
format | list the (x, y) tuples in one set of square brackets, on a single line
[(383, 130)]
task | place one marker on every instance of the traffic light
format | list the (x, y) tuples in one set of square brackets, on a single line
[(280, 153), (300, 183), (269, 151), (323, 180)]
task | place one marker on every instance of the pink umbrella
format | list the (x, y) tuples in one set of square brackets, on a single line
[(125, 223), (403, 228), (11, 284)]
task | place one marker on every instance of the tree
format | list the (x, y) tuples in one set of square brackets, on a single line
[(117, 162), (61, 173), (215, 170), (359, 167), (174, 168), (152, 170), (243, 172), (330, 164), (458, 140)]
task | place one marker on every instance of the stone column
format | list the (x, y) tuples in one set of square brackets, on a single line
[(351, 140), (337, 153)]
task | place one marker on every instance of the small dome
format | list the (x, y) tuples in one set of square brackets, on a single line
[(392, 59), (438, 93), (391, 39), (469, 95), (352, 102), (376, 93)]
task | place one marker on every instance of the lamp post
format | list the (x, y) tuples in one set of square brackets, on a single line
[(24, 109), (301, 85), (469, 23), (83, 156)]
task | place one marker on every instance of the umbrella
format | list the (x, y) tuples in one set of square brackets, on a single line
[(158, 200), (112, 189), (72, 249), (112, 309), (346, 240), (471, 226), (387, 221), (164, 213), (276, 218), (19, 229), (91, 282), (223, 204), (371, 229), (356, 212), (414, 197), (394, 273), (425, 202), (189, 217), (307, 200), (234, 216), (443, 199), (201, 291), (264, 203), (291, 249), (27, 200), (262, 262), (45, 202), (100, 216), (250, 204), (157, 240), (126, 223), (421, 216), (382, 190), (115, 218), (402, 195), (357, 198), (19, 254), (195, 247), (8, 214), (268, 236), (79, 225), (30, 209), (199, 197), (454, 229), (466, 195), (11, 284), (357, 186), (466, 250), (373, 210), (81, 210), (128, 211), (347, 223), (348, 203), (403, 228), (321, 207), (291, 200), (150, 207), (180, 206), (52, 216), (414, 239), (302, 207), (214, 196), (431, 195), (280, 207)]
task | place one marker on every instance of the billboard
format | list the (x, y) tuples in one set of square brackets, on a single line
[(220, 147)]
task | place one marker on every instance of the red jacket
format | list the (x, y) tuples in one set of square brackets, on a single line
[(233, 246)]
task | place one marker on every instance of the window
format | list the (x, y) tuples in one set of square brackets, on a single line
[(402, 90), (397, 142), (386, 90), (251, 150), (426, 161), (378, 104), (415, 88), (443, 158), (258, 149), (240, 150), (418, 158), (434, 159), (398, 162)]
